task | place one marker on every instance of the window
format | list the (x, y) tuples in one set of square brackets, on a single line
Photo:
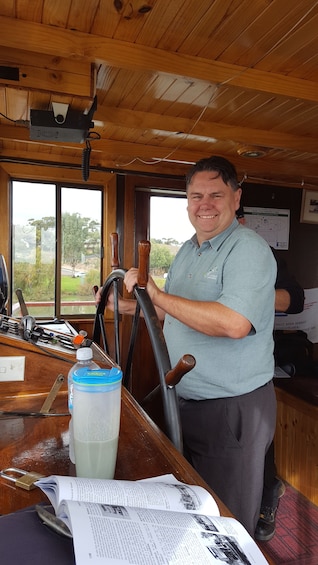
[(56, 248), (169, 228)]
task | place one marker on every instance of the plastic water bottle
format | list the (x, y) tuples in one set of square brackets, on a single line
[(84, 359), (96, 421)]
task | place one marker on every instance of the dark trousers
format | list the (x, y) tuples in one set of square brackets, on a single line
[(271, 483), (226, 440)]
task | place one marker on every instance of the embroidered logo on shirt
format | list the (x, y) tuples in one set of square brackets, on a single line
[(212, 273)]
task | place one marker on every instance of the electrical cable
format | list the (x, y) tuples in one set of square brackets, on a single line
[(51, 354), (86, 160), (25, 123)]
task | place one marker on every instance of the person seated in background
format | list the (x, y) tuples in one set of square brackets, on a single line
[(289, 298)]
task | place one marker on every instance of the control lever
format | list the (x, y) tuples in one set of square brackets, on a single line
[(27, 326), (23, 306)]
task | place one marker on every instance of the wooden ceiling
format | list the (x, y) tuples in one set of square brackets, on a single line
[(176, 80)]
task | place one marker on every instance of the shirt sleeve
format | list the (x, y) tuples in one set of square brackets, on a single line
[(249, 276)]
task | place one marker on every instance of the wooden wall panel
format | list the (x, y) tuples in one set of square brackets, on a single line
[(42, 366), (5, 216), (41, 369), (296, 443)]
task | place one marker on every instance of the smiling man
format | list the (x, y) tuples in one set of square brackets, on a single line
[(218, 305), (212, 203)]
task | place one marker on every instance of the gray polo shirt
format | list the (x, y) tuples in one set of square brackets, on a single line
[(236, 268)]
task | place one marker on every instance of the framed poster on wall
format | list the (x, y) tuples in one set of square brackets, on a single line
[(271, 223), (309, 207)]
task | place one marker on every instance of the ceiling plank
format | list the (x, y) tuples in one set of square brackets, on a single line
[(125, 155), (257, 171), (82, 46), (146, 120), (69, 84), (48, 74), (41, 60)]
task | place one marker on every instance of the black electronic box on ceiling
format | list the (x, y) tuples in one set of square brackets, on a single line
[(61, 124)]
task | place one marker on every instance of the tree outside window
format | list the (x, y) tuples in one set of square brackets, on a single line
[(37, 242)]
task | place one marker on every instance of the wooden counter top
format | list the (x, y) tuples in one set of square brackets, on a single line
[(41, 444)]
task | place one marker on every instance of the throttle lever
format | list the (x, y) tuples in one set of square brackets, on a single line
[(23, 306)]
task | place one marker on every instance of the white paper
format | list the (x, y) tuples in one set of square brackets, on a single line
[(157, 521), (307, 320), (116, 535), (150, 494)]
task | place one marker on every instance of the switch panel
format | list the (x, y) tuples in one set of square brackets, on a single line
[(12, 368)]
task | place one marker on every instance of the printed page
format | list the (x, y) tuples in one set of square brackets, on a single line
[(175, 496), (117, 535)]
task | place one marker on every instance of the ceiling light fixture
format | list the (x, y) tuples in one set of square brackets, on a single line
[(252, 152)]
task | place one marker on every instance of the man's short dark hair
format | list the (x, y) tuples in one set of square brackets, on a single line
[(220, 165)]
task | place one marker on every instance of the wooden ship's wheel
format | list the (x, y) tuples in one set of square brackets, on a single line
[(168, 377)]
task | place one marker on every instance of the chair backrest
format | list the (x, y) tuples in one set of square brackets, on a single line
[(294, 348)]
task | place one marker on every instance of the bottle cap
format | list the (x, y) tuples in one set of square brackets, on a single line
[(84, 354)]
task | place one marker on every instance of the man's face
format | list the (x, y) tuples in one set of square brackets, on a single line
[(211, 204)]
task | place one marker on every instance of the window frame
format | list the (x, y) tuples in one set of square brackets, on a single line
[(59, 185)]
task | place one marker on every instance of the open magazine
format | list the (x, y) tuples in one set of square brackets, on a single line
[(151, 522)]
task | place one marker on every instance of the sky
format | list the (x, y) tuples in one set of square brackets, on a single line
[(169, 219), (44, 196)]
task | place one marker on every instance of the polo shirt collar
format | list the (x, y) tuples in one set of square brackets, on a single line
[(216, 242)]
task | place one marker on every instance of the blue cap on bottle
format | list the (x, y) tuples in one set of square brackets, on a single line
[(97, 380)]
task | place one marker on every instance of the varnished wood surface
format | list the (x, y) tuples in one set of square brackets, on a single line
[(175, 81), (42, 365), (41, 445), (296, 441)]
